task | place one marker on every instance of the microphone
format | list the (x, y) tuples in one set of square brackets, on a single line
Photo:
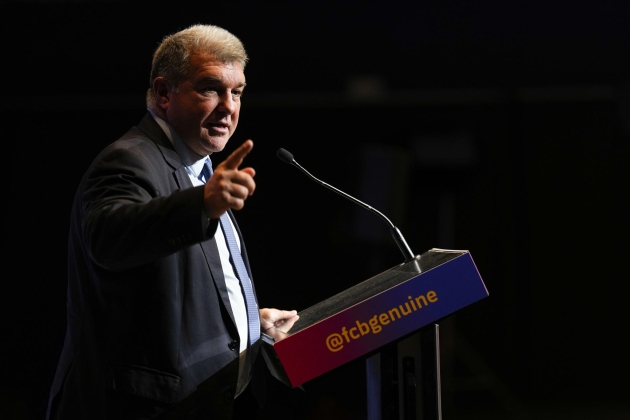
[(287, 157)]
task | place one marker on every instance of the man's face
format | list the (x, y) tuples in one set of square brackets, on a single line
[(205, 108)]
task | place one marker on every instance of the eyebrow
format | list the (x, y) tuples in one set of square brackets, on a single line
[(213, 79)]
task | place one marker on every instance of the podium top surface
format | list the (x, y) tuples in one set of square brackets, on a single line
[(372, 286)]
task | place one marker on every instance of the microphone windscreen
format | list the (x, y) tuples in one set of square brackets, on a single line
[(284, 155)]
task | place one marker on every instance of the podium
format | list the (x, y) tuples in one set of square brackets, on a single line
[(374, 313)]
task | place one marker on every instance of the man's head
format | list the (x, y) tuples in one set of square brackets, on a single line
[(196, 82)]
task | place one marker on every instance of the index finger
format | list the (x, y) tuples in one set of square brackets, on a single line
[(236, 157)]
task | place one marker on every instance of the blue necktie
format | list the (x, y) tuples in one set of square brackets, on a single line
[(238, 264)]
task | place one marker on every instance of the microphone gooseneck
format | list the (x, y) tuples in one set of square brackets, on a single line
[(287, 157)]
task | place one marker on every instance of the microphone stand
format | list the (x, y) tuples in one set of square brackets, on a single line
[(382, 368)]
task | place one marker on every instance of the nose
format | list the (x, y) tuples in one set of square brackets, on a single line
[(228, 103)]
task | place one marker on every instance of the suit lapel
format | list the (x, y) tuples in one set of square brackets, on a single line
[(209, 247), (211, 253)]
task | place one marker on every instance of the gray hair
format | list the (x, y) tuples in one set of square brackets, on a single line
[(171, 59)]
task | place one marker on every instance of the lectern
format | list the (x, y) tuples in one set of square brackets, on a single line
[(375, 313)]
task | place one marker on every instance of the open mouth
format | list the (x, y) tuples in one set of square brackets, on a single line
[(218, 128)]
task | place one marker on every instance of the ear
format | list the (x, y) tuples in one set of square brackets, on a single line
[(161, 91)]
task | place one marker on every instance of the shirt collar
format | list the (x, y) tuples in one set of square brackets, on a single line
[(183, 151)]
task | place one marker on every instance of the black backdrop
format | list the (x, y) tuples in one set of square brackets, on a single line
[(498, 128)]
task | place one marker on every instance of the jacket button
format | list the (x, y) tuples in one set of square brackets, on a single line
[(233, 345)]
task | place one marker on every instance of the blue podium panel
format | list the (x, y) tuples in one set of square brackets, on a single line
[(374, 313)]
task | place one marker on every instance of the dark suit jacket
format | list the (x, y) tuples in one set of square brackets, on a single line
[(149, 317)]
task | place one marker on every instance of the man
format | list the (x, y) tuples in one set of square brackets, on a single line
[(159, 315)]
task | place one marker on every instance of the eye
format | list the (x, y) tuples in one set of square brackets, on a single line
[(208, 88)]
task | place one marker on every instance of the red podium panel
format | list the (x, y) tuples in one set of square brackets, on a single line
[(375, 312)]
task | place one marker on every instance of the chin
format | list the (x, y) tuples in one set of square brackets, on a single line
[(215, 144)]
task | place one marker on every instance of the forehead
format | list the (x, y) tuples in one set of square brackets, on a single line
[(208, 66)]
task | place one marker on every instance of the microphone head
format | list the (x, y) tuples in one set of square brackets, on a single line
[(284, 156)]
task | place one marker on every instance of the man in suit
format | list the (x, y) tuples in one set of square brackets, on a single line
[(158, 311)]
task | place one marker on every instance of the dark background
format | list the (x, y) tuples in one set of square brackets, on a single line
[(501, 128)]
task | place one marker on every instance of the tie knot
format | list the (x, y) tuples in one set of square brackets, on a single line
[(206, 171)]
